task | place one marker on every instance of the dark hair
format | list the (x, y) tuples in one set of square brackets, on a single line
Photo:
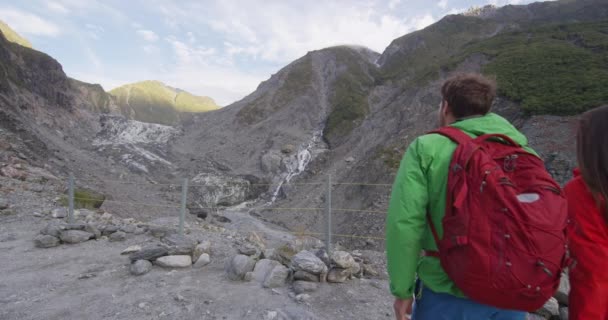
[(592, 153), (469, 94)]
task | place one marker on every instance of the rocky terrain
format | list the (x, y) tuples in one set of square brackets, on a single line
[(258, 172)]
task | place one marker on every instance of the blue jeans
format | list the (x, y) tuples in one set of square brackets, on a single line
[(440, 306)]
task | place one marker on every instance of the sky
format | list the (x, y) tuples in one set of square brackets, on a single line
[(222, 49)]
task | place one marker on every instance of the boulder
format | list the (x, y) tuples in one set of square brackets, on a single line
[(283, 254), (322, 254), (59, 213), (76, 226), (307, 261), (46, 241), (129, 228), (93, 229), (238, 266), (349, 160), (75, 236), (564, 290), (140, 267), (118, 236), (54, 228), (179, 244), (109, 229), (305, 276), (247, 249), (131, 249), (150, 253), (176, 261), (277, 277), (263, 268), (338, 275), (300, 287), (344, 260), (200, 249), (202, 261)]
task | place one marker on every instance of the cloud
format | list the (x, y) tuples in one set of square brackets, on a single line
[(422, 22), (28, 23), (443, 4), (150, 49), (392, 4), (147, 35), (94, 31), (57, 7)]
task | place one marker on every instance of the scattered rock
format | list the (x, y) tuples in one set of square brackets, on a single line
[(86, 276), (303, 298), (550, 309), (106, 216), (300, 287), (564, 290), (368, 270), (263, 268), (222, 219), (54, 228), (343, 259), (238, 266), (176, 261), (38, 214), (150, 254), (203, 247), (179, 244), (76, 226), (288, 149), (59, 213), (160, 231), (75, 236), (129, 228), (202, 261), (247, 249), (3, 204), (307, 261), (93, 229), (277, 277), (140, 267), (46, 241), (349, 160), (131, 249), (305, 276), (118, 236), (139, 231), (338, 275), (109, 229)]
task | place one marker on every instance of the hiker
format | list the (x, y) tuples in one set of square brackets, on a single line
[(588, 232), (518, 225)]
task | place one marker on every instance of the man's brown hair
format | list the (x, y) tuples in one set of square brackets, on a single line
[(592, 153), (469, 94)]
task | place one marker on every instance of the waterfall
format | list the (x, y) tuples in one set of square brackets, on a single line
[(296, 164)]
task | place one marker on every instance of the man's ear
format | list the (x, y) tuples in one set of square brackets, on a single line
[(445, 108)]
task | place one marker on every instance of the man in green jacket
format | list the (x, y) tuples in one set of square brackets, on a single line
[(420, 187)]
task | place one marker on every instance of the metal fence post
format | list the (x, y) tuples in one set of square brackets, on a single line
[(182, 211), (71, 199), (328, 216)]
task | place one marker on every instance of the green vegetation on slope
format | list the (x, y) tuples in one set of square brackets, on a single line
[(297, 82), (152, 101), (13, 36), (350, 93), (84, 199), (560, 69)]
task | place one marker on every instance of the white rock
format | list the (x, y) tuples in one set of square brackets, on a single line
[(202, 261), (277, 277), (131, 249), (307, 261), (343, 259), (59, 213), (200, 249), (140, 267), (75, 236), (181, 261)]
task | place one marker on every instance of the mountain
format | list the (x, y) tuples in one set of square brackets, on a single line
[(345, 112), (13, 36), (155, 102)]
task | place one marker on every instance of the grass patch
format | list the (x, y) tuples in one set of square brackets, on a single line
[(84, 199), (13, 36)]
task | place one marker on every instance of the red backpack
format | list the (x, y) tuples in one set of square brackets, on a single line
[(504, 240)]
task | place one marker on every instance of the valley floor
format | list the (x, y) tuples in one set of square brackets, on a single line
[(91, 280)]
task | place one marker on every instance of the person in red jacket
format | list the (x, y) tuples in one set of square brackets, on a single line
[(588, 232)]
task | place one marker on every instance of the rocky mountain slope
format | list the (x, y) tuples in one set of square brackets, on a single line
[(155, 102)]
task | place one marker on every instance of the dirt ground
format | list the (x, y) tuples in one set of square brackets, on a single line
[(91, 280)]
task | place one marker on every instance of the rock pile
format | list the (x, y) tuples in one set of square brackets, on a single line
[(173, 251), (303, 264)]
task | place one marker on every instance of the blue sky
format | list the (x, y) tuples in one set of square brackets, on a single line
[(223, 48)]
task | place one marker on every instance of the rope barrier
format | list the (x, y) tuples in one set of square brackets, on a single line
[(128, 202)]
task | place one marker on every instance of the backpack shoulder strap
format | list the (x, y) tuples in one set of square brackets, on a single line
[(453, 134)]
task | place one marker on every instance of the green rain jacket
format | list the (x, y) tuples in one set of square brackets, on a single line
[(420, 187)]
